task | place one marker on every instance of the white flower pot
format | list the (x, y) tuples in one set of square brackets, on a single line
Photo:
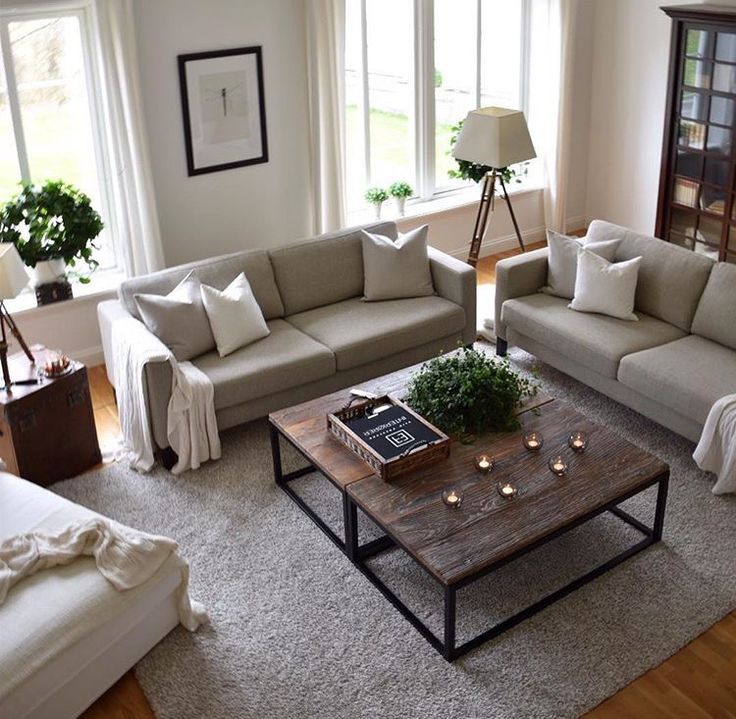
[(47, 271), (377, 209), (400, 204)]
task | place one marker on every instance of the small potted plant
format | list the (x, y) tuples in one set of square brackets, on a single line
[(400, 191), (52, 227), (376, 196)]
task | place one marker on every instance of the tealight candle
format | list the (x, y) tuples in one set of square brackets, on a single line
[(578, 441), (558, 466), (533, 441), (506, 490), (452, 497), (484, 463)]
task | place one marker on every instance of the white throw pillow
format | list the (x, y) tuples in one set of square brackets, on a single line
[(235, 317), (562, 261), (178, 319), (604, 287), (393, 270)]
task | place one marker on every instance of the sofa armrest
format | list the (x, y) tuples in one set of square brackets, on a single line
[(158, 375), (518, 276), (455, 281)]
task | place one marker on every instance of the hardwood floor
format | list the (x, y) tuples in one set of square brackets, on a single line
[(698, 682)]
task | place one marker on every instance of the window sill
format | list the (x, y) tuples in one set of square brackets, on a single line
[(103, 284), (458, 199)]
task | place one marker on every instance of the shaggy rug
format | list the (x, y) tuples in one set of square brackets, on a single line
[(296, 631)]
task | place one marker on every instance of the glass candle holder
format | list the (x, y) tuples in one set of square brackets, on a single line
[(558, 466), (533, 441), (484, 463), (452, 498), (578, 441), (507, 490)]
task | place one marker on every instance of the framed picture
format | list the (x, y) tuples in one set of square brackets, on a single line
[(224, 110)]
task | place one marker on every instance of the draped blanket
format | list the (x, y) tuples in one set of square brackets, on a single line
[(191, 422), (716, 451), (124, 556)]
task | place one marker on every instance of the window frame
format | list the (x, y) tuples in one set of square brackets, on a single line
[(82, 10), (422, 125)]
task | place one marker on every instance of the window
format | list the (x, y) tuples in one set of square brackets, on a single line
[(49, 121), (413, 69)]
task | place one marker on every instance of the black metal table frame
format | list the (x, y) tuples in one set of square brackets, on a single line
[(359, 554)]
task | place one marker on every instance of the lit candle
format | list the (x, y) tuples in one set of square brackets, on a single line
[(452, 497), (533, 441), (558, 465), (484, 463), (578, 441), (506, 490)]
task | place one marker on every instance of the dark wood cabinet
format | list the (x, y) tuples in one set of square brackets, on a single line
[(47, 431), (697, 192)]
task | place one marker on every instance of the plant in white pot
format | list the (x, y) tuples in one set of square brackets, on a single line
[(400, 191), (376, 196), (52, 227)]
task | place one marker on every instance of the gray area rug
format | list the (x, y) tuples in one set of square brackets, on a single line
[(297, 632)]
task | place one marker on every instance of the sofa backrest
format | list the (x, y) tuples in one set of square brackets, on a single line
[(715, 318), (324, 269), (217, 272), (671, 278)]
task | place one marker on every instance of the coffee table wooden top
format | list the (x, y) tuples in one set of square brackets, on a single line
[(456, 543)]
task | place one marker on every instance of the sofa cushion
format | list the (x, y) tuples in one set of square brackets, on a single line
[(596, 341), (360, 332), (217, 272), (673, 375), (286, 358), (671, 278), (324, 269), (715, 318)]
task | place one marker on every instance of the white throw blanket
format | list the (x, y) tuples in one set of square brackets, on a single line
[(716, 451), (125, 557), (191, 422)]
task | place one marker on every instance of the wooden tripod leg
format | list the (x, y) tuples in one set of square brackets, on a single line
[(16, 332), (513, 216), (486, 199)]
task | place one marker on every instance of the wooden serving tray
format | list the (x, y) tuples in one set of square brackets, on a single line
[(413, 456)]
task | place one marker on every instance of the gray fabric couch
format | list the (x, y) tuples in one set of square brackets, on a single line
[(670, 366), (323, 336)]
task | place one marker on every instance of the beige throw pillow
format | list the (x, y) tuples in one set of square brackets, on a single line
[(605, 287), (394, 270), (178, 319), (235, 316)]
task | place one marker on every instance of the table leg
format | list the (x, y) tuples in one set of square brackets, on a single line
[(278, 473), (350, 519), (662, 487), (450, 617)]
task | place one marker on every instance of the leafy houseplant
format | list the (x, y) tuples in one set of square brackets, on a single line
[(400, 191), (468, 393), (54, 223), (467, 170), (376, 196)]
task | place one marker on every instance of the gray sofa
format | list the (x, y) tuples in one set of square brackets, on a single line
[(323, 336), (670, 366)]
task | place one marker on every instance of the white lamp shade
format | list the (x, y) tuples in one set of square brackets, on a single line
[(13, 275), (494, 136)]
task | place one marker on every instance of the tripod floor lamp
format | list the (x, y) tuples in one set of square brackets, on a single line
[(494, 138), (13, 278)]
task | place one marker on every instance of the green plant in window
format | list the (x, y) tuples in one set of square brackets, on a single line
[(468, 392), (55, 221), (473, 171), (400, 189), (375, 195)]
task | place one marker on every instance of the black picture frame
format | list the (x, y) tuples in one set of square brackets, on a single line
[(210, 154)]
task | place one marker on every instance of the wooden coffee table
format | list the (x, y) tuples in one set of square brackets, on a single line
[(459, 546)]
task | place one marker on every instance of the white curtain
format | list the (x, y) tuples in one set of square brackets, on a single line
[(325, 27), (135, 217), (550, 111)]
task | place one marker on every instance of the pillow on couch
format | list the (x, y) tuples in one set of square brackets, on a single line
[(604, 287), (395, 270), (234, 314), (562, 261), (179, 319)]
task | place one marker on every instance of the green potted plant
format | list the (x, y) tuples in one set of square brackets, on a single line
[(53, 227), (376, 196), (468, 393), (400, 191)]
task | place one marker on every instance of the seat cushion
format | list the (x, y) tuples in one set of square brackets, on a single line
[(596, 341), (687, 375), (360, 332), (661, 291), (286, 358), (716, 316)]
